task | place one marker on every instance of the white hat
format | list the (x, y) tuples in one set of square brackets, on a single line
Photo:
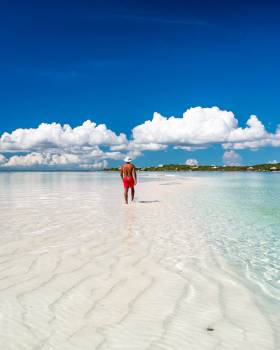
[(127, 159)]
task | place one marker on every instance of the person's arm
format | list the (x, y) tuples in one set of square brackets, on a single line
[(121, 172), (134, 174)]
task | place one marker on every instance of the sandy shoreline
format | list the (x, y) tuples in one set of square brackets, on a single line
[(82, 271)]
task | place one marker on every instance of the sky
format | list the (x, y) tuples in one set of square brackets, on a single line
[(161, 81)]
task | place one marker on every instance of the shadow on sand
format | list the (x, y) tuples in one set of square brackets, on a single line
[(170, 183), (155, 201)]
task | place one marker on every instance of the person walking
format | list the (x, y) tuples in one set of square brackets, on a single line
[(129, 178)]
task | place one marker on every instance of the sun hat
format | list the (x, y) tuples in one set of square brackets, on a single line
[(127, 159)]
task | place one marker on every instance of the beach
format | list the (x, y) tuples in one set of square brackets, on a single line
[(79, 269)]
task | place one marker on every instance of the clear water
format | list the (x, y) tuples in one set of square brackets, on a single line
[(241, 215), (238, 214)]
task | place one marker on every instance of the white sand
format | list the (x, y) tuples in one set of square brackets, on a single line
[(82, 271)]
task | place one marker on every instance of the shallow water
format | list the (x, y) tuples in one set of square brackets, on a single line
[(243, 214), (79, 269), (240, 216)]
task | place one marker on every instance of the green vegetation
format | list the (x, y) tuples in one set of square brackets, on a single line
[(181, 167)]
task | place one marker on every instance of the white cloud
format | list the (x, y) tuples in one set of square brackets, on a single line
[(190, 149), (3, 159), (55, 135), (90, 160), (35, 158), (134, 150), (97, 153), (232, 158), (133, 146), (90, 145), (56, 145), (272, 140), (268, 139), (97, 165), (200, 127), (192, 162)]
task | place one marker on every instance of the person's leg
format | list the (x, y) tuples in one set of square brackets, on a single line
[(132, 193), (126, 195)]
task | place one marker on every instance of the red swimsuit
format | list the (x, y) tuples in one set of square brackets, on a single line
[(128, 182)]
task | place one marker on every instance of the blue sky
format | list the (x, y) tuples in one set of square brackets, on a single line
[(118, 62)]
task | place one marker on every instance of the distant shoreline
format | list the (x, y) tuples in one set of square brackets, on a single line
[(161, 168), (180, 167)]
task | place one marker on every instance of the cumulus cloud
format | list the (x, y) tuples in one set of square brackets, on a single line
[(134, 150), (57, 145), (98, 153), (134, 146), (90, 145), (55, 135), (232, 158), (48, 159), (92, 159), (97, 165), (272, 140), (35, 158), (192, 162), (189, 148), (197, 126), (3, 159), (200, 127)]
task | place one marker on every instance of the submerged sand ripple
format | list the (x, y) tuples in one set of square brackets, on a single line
[(82, 271)]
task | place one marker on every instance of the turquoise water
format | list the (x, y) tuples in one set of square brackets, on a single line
[(242, 215), (239, 215)]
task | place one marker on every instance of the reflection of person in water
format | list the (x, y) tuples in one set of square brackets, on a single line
[(129, 177)]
